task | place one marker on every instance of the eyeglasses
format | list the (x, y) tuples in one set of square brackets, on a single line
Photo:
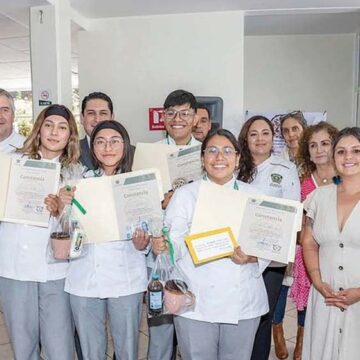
[(226, 151), (185, 114), (114, 142)]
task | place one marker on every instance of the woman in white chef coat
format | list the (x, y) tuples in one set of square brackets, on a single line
[(230, 292), (276, 177), (35, 305), (110, 280)]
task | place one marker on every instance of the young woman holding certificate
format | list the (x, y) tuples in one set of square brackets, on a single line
[(331, 252), (276, 177), (230, 292), (111, 279), (35, 305)]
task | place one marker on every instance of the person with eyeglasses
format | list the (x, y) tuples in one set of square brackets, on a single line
[(180, 108), (276, 177), (230, 292), (110, 281)]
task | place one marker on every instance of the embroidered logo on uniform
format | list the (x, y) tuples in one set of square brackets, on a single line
[(276, 178)]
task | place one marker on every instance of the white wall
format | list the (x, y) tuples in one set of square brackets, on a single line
[(139, 60), (307, 72)]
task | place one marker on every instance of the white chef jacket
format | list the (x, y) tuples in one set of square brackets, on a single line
[(23, 252), (109, 269), (278, 177), (225, 292), (12, 142), (170, 141)]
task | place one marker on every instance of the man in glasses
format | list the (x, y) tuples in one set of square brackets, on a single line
[(203, 125), (179, 117), (9, 139)]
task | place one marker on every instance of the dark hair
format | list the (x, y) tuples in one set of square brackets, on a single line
[(201, 106), (220, 132), (303, 155), (97, 95), (348, 131), (247, 167), (125, 162), (297, 115), (180, 97)]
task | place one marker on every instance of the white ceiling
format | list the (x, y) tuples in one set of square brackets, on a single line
[(263, 17)]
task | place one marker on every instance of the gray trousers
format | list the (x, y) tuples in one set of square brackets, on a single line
[(200, 340), (38, 313), (124, 313), (161, 338)]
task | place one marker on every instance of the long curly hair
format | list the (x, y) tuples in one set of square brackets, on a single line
[(303, 160), (71, 152), (247, 167)]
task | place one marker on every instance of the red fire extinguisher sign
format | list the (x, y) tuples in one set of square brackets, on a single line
[(156, 119)]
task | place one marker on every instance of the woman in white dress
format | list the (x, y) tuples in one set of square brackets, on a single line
[(331, 253)]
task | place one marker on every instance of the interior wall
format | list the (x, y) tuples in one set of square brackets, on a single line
[(307, 72), (138, 61)]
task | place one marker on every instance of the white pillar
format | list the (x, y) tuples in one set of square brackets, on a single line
[(50, 41)]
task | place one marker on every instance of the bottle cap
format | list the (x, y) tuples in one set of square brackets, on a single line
[(155, 276)]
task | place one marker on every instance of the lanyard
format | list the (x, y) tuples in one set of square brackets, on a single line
[(235, 186)]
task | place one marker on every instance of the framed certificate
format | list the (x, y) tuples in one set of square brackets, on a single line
[(24, 185), (211, 245), (264, 226)]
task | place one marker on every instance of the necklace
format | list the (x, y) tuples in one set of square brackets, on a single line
[(323, 180)]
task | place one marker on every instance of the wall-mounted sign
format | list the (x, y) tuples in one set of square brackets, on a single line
[(45, 98), (156, 119)]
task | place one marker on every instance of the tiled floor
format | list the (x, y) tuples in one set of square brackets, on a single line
[(289, 323)]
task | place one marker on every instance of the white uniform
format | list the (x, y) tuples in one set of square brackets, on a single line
[(278, 177), (32, 293), (161, 329), (110, 279), (226, 293), (12, 142)]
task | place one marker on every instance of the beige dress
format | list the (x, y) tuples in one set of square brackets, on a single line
[(332, 334)]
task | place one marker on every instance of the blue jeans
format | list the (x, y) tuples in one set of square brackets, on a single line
[(280, 308)]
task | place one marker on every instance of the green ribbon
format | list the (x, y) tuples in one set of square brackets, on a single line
[(76, 203), (166, 233)]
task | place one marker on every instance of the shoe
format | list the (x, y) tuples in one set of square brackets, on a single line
[(279, 341), (299, 343)]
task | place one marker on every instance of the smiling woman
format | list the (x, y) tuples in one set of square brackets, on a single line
[(32, 294), (331, 252)]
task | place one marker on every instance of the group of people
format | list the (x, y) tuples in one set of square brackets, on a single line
[(239, 299)]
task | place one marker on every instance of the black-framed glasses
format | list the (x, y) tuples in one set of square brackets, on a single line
[(184, 114)]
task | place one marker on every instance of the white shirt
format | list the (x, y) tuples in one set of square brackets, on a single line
[(110, 269), (23, 254), (225, 292), (12, 142), (170, 141), (278, 177)]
